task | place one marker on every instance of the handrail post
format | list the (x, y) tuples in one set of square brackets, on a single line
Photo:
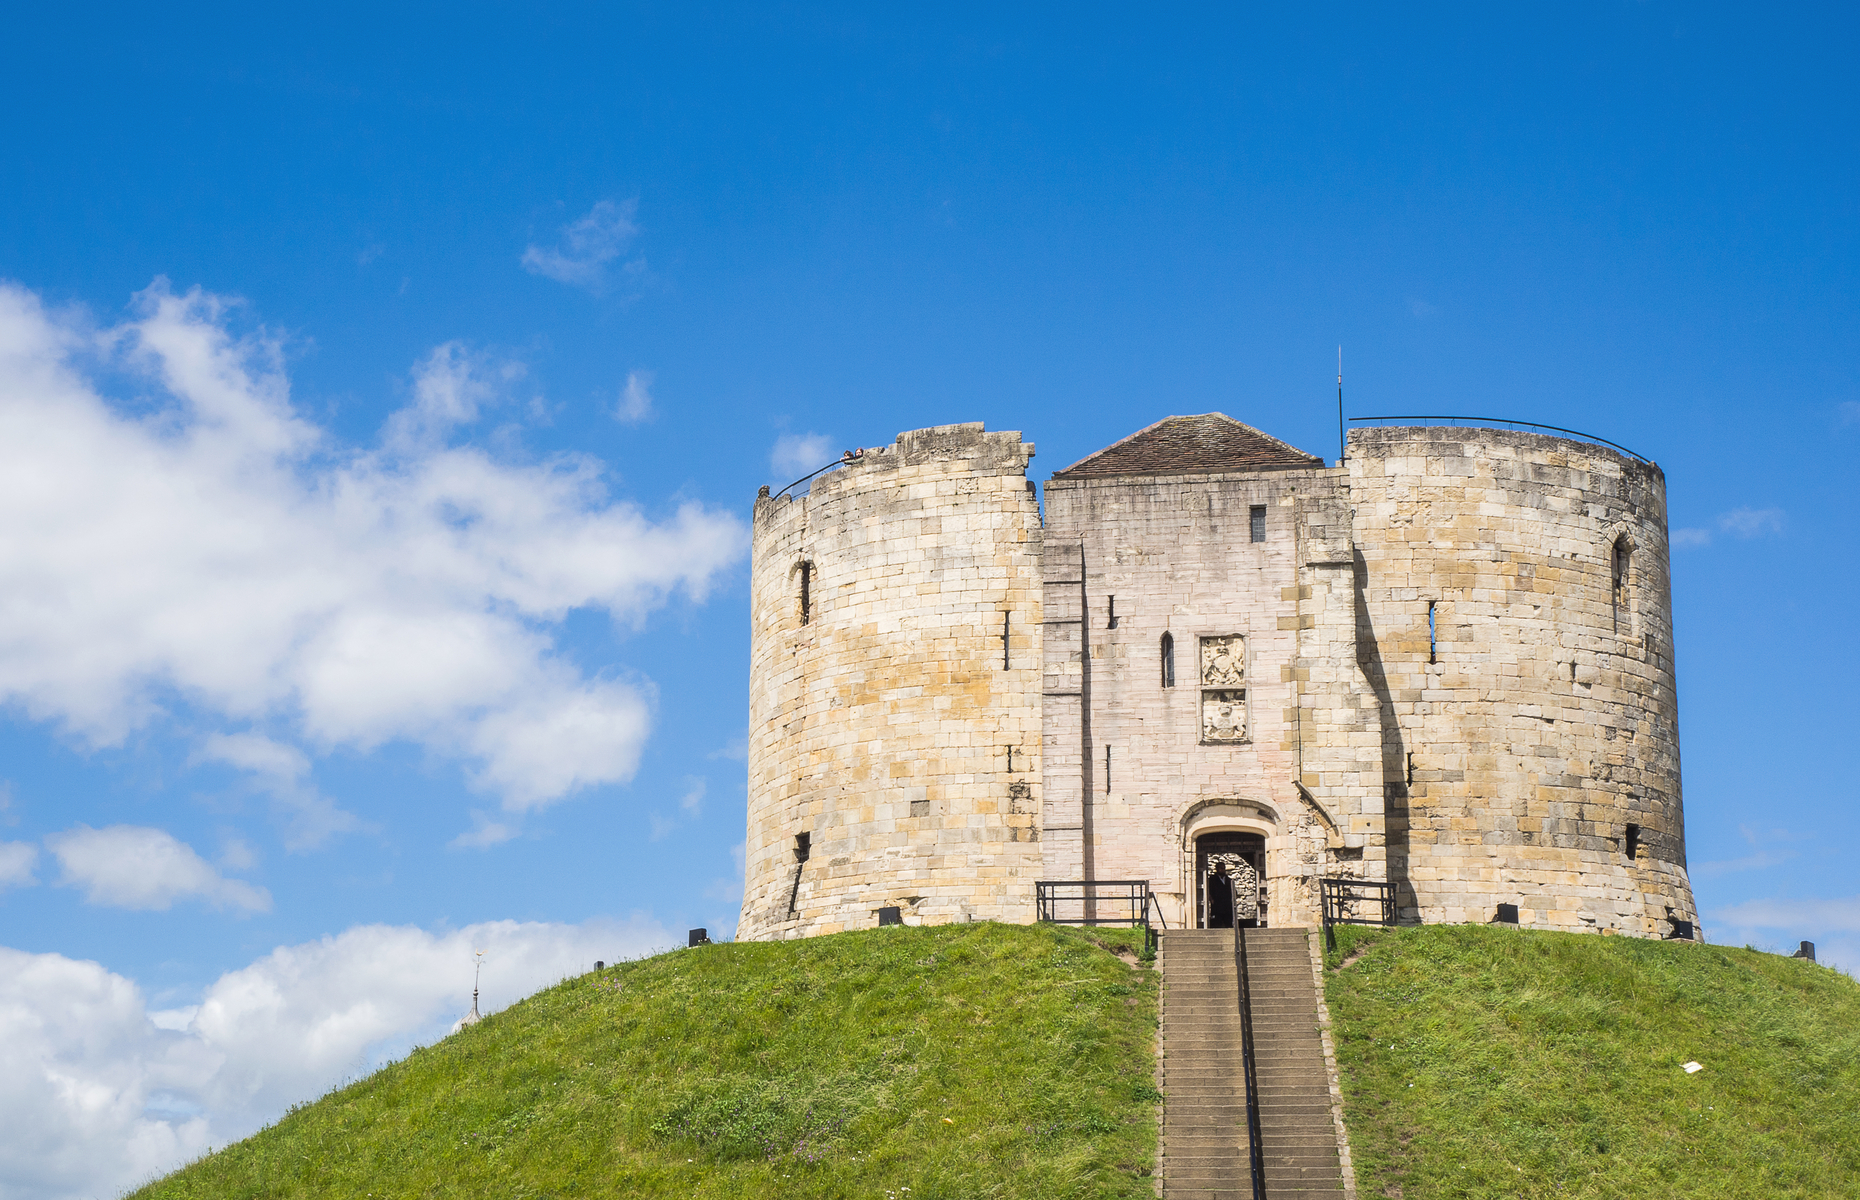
[(1255, 1157)]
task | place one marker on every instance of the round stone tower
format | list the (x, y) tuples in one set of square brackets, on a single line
[(894, 736), (1514, 626)]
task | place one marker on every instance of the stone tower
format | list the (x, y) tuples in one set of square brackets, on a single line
[(1445, 663), (894, 731)]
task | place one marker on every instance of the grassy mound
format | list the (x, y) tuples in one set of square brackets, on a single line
[(1495, 1062), (963, 1061)]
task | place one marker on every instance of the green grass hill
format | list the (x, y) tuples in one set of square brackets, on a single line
[(902, 1063), (986, 1060), (1499, 1062)]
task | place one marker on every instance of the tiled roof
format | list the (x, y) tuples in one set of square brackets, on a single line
[(1202, 445)]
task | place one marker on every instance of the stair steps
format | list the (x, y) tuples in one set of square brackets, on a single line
[(1204, 1084)]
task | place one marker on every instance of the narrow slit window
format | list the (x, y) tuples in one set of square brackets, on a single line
[(1004, 639), (1433, 634), (801, 848), (1256, 521), (1112, 623), (1107, 770), (1632, 842), (1621, 562), (807, 592), (1168, 660)]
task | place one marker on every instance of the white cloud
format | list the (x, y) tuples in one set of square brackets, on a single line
[(635, 398), (451, 386), (1762, 854), (212, 550), (98, 1093), (1731, 866), (691, 802), (729, 890), (236, 854), (132, 866), (483, 834), (1751, 522), (16, 861), (256, 753), (1739, 522), (281, 771), (586, 247), (795, 454), (1833, 916)]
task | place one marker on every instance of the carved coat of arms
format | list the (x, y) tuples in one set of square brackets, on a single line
[(1223, 696), (1223, 661)]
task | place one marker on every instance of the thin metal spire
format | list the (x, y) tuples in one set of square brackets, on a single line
[(472, 1017), (1342, 445)]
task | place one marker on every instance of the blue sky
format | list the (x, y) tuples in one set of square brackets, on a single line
[(327, 330)]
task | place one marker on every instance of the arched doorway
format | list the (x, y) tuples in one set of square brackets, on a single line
[(1230, 880)]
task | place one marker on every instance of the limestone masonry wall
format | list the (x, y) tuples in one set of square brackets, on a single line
[(1131, 777), (897, 723), (1541, 722), (1446, 663)]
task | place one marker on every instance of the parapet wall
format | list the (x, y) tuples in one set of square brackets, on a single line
[(895, 724), (1530, 740)]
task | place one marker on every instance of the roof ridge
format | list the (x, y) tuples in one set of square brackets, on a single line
[(1129, 437), (1205, 442)]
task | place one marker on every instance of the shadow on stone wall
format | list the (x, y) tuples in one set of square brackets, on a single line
[(1395, 798)]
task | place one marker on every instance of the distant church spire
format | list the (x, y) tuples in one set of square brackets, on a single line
[(472, 1017)]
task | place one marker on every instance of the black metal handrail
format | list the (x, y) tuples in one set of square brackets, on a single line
[(1255, 1158), (1340, 895), (1137, 902), (1587, 437), (850, 456)]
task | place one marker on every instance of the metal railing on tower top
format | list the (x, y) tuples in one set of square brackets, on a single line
[(1474, 422)]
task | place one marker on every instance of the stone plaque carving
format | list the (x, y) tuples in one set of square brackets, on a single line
[(1223, 661), (1223, 716)]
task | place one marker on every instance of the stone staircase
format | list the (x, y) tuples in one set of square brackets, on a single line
[(1204, 1084)]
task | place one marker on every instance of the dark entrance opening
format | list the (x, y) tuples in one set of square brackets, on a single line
[(1230, 867)]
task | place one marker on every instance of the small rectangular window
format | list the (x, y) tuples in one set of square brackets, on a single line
[(1112, 623), (1257, 519), (802, 846), (1168, 660), (1633, 842), (807, 596), (1433, 635)]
